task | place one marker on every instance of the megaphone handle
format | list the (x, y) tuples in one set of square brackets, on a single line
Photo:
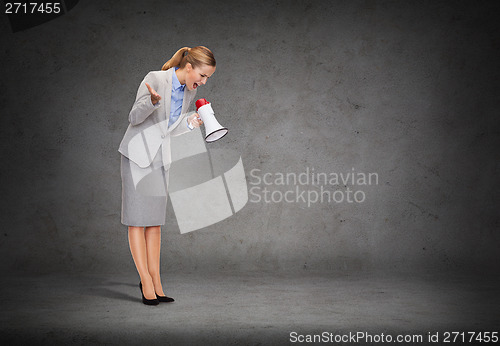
[(189, 124)]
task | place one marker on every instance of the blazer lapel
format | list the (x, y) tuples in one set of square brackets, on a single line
[(188, 97), (186, 101), (168, 93)]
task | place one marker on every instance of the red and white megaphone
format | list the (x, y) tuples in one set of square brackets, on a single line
[(213, 130)]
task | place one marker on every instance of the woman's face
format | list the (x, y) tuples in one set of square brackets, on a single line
[(198, 76)]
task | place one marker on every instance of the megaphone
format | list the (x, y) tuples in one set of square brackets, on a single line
[(213, 130)]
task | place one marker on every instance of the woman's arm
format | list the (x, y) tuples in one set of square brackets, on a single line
[(143, 105), (191, 118)]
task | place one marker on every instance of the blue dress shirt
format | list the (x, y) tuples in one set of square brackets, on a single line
[(176, 99)]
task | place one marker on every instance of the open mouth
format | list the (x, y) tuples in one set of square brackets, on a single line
[(195, 85)]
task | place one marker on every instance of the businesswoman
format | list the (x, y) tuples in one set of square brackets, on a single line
[(159, 112)]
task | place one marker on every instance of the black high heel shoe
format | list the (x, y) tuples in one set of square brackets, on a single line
[(148, 301), (164, 299)]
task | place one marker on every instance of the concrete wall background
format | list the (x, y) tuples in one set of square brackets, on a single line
[(406, 90)]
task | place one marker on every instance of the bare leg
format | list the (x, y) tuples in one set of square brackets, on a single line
[(137, 242), (153, 245)]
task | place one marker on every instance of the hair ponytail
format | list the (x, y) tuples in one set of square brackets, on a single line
[(196, 56), (176, 59)]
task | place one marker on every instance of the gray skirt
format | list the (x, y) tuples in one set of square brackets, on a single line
[(139, 206)]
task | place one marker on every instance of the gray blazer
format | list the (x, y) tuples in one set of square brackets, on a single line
[(148, 128)]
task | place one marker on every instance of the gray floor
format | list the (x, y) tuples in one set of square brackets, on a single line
[(243, 308)]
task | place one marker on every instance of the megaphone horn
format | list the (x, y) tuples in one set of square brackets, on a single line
[(213, 130)]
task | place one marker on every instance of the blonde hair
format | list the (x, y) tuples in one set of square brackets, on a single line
[(196, 56)]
